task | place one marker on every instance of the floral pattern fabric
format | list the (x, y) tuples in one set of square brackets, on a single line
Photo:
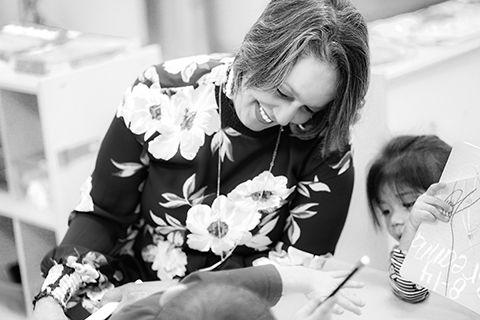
[(181, 185)]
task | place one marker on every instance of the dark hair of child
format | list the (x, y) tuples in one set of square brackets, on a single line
[(216, 301), (407, 161)]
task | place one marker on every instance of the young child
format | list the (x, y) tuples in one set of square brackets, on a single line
[(401, 186), (237, 294)]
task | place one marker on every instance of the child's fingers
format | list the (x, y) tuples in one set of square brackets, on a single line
[(444, 206), (434, 188), (430, 207)]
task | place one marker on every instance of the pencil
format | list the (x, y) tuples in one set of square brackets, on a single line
[(365, 260)]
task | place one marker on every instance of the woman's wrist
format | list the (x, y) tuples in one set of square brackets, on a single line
[(60, 284), (295, 279), (47, 301)]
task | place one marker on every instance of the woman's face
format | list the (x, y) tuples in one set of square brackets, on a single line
[(395, 205), (307, 89)]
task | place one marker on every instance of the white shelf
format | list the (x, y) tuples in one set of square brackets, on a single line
[(19, 209), (424, 57), (47, 152)]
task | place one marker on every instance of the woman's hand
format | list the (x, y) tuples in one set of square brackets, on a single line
[(317, 284), (132, 292), (48, 309), (427, 208), (316, 309)]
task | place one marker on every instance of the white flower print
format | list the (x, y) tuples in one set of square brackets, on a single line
[(265, 191), (186, 66), (221, 227), (125, 110), (260, 241), (149, 253), (218, 74), (84, 269), (189, 198), (86, 202), (192, 114), (177, 238), (172, 228), (344, 163), (128, 241), (315, 185), (87, 270), (127, 169), (294, 257), (143, 107), (221, 142), (299, 212), (169, 261), (150, 74)]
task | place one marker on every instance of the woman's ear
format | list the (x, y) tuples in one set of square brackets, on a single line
[(171, 292)]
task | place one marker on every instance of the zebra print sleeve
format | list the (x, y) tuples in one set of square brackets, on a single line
[(403, 288)]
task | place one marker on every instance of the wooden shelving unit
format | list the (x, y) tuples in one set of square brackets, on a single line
[(50, 130)]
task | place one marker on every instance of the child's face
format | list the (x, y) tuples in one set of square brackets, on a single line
[(395, 205)]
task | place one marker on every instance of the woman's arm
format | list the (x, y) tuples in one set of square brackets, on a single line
[(109, 198), (319, 209)]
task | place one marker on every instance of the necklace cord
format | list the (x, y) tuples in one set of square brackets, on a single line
[(223, 257)]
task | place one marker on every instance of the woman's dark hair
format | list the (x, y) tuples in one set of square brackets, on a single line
[(331, 31), (407, 161)]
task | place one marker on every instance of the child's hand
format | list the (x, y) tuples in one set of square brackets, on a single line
[(426, 208), (430, 208)]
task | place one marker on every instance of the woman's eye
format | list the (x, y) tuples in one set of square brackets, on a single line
[(287, 97), (385, 212), (308, 110), (283, 95)]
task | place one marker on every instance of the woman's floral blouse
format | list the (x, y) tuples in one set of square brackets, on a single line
[(152, 208)]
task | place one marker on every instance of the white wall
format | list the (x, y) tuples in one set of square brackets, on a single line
[(9, 11), (125, 18), (190, 27)]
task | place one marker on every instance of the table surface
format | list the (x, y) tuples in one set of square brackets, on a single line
[(381, 304)]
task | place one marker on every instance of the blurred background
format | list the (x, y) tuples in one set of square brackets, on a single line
[(182, 27)]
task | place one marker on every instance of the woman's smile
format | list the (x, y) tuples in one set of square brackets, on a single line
[(262, 115)]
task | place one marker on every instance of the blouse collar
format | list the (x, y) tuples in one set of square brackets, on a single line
[(230, 118)]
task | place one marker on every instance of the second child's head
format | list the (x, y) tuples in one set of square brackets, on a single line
[(403, 170), (212, 301)]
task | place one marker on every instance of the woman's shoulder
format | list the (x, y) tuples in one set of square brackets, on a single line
[(310, 150), (189, 71)]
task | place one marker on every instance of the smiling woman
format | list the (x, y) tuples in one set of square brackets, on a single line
[(218, 162), (307, 89)]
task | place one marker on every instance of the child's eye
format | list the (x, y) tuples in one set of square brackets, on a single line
[(385, 212), (408, 205)]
